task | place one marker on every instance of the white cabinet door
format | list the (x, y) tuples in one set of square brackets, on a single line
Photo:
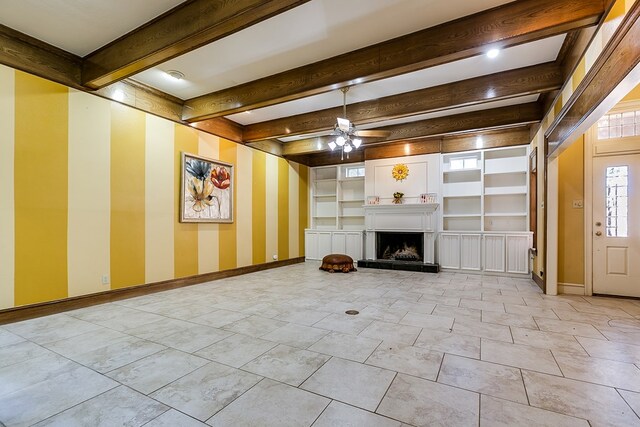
[(494, 253), (470, 252), (518, 253), (339, 243), (324, 244), (321, 243), (353, 243), (311, 245), (449, 250)]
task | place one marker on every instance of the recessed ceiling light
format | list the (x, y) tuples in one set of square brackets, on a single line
[(248, 112), (175, 74), (118, 95), (493, 53)]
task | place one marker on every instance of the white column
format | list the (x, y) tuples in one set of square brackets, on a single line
[(551, 270)]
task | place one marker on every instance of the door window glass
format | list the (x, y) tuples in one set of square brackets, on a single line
[(619, 125), (616, 201)]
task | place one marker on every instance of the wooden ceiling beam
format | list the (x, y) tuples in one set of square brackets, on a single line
[(222, 127), (448, 144), (508, 84), (403, 149), (184, 28), (504, 26), (25, 53), (485, 119), (484, 140), (614, 73)]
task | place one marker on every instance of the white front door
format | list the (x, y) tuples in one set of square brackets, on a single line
[(616, 227)]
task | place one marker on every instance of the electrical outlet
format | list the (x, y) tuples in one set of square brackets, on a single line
[(105, 279), (577, 204)]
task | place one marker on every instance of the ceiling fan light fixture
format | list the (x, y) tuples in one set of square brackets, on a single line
[(332, 145), (344, 124), (356, 142), (340, 141), (347, 148)]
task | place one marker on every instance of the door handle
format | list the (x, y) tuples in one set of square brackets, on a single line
[(598, 224), (598, 233)]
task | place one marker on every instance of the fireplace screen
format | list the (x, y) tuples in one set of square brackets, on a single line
[(399, 246)]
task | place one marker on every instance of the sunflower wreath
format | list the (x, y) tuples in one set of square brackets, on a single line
[(400, 172)]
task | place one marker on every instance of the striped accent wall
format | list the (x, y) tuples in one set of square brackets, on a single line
[(89, 197), (600, 40)]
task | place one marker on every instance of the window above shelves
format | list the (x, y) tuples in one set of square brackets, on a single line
[(351, 172)]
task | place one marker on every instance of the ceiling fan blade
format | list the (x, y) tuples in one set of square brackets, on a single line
[(373, 133)]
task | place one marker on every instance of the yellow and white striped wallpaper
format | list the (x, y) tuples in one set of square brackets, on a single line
[(89, 188)]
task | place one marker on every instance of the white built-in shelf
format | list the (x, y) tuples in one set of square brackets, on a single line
[(337, 199), (462, 215), (505, 172), (460, 196), (498, 188), (462, 170), (506, 214), (504, 191)]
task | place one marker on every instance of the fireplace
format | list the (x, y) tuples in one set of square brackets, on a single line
[(401, 237), (400, 246)]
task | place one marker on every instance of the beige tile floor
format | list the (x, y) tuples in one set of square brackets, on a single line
[(275, 348)]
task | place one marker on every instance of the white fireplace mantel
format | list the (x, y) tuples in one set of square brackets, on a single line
[(417, 217)]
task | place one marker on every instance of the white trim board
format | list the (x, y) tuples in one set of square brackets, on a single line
[(571, 289)]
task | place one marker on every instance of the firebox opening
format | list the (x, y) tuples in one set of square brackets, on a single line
[(400, 246)]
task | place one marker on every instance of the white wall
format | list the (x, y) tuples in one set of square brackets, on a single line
[(424, 177)]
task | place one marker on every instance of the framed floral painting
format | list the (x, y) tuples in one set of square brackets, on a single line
[(206, 190)]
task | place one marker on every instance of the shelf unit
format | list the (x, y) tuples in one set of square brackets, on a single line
[(324, 213), (337, 197), (485, 190), (337, 213), (505, 189), (485, 211)]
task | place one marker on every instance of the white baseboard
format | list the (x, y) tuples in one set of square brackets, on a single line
[(571, 288)]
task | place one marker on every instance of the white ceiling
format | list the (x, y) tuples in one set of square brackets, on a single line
[(80, 26), (311, 32), (540, 51), (314, 31)]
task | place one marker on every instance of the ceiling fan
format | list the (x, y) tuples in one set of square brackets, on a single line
[(348, 137)]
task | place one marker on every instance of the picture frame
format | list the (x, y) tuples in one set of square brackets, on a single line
[(373, 200), (206, 190), (428, 198)]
